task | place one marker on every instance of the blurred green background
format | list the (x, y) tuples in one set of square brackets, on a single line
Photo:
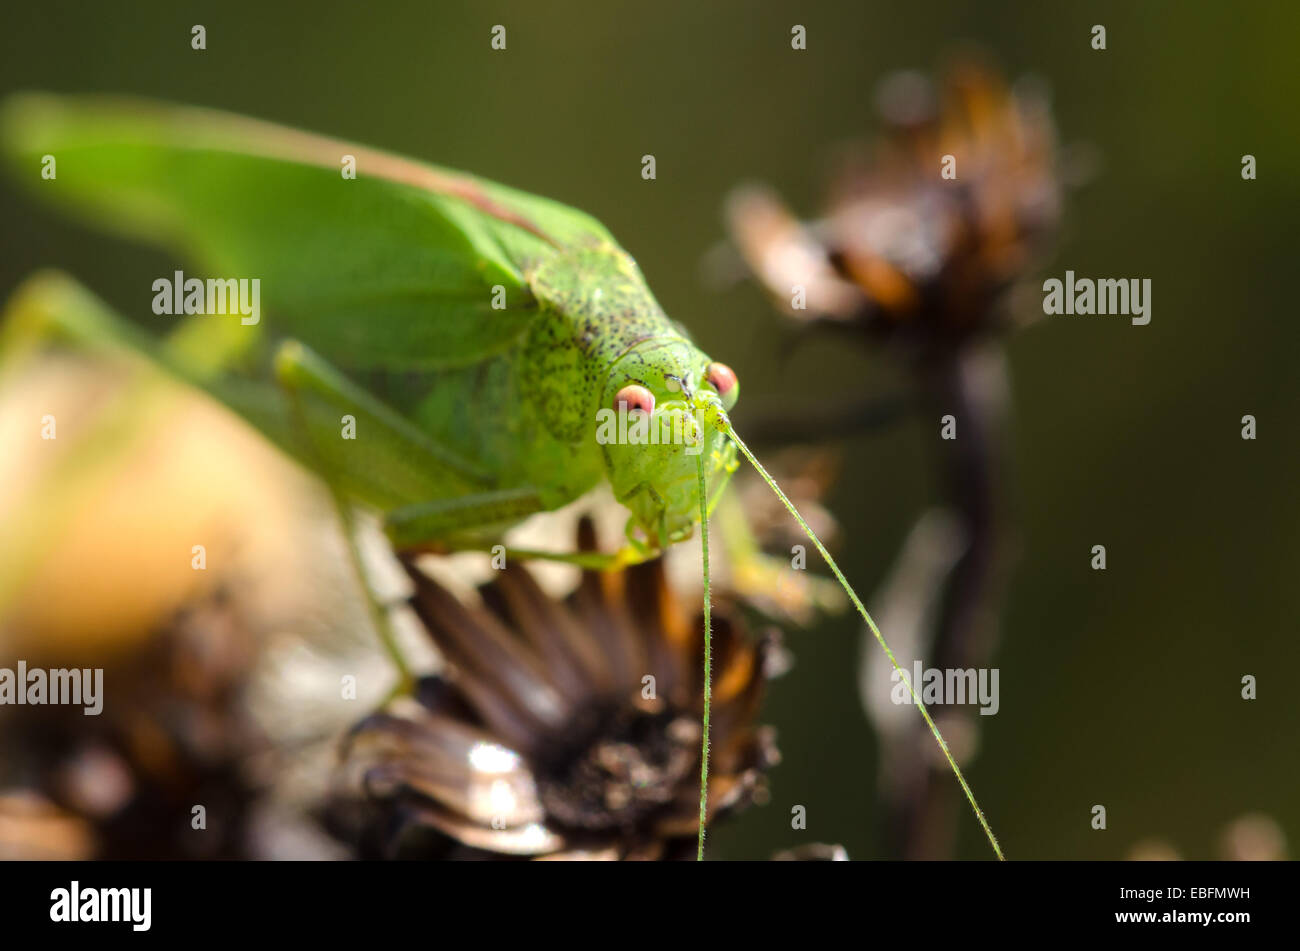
[(1119, 687)]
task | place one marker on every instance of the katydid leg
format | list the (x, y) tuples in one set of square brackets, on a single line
[(373, 452), (758, 574), (288, 366), (589, 560), (429, 524), (445, 525)]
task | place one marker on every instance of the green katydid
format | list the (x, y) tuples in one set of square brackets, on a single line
[(473, 332)]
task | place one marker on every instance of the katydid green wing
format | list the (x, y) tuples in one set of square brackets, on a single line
[(401, 464), (392, 270)]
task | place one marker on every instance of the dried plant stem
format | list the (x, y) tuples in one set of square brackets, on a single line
[(965, 385)]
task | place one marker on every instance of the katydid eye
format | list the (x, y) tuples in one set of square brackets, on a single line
[(723, 379), (634, 397)]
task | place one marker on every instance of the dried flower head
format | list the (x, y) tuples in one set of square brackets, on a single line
[(123, 785), (562, 729), (921, 240)]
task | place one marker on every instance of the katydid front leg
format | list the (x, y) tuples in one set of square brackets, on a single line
[(440, 527), (755, 573), (321, 399)]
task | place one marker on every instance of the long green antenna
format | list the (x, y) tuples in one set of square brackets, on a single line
[(708, 655), (970, 796)]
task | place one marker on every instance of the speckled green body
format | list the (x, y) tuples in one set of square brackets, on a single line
[(471, 331), (528, 415)]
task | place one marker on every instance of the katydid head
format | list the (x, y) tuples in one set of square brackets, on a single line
[(657, 380), (663, 408)]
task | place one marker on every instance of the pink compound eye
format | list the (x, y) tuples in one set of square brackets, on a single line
[(723, 379), (634, 397)]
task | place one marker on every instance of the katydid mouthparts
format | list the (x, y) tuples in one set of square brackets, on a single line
[(471, 333)]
